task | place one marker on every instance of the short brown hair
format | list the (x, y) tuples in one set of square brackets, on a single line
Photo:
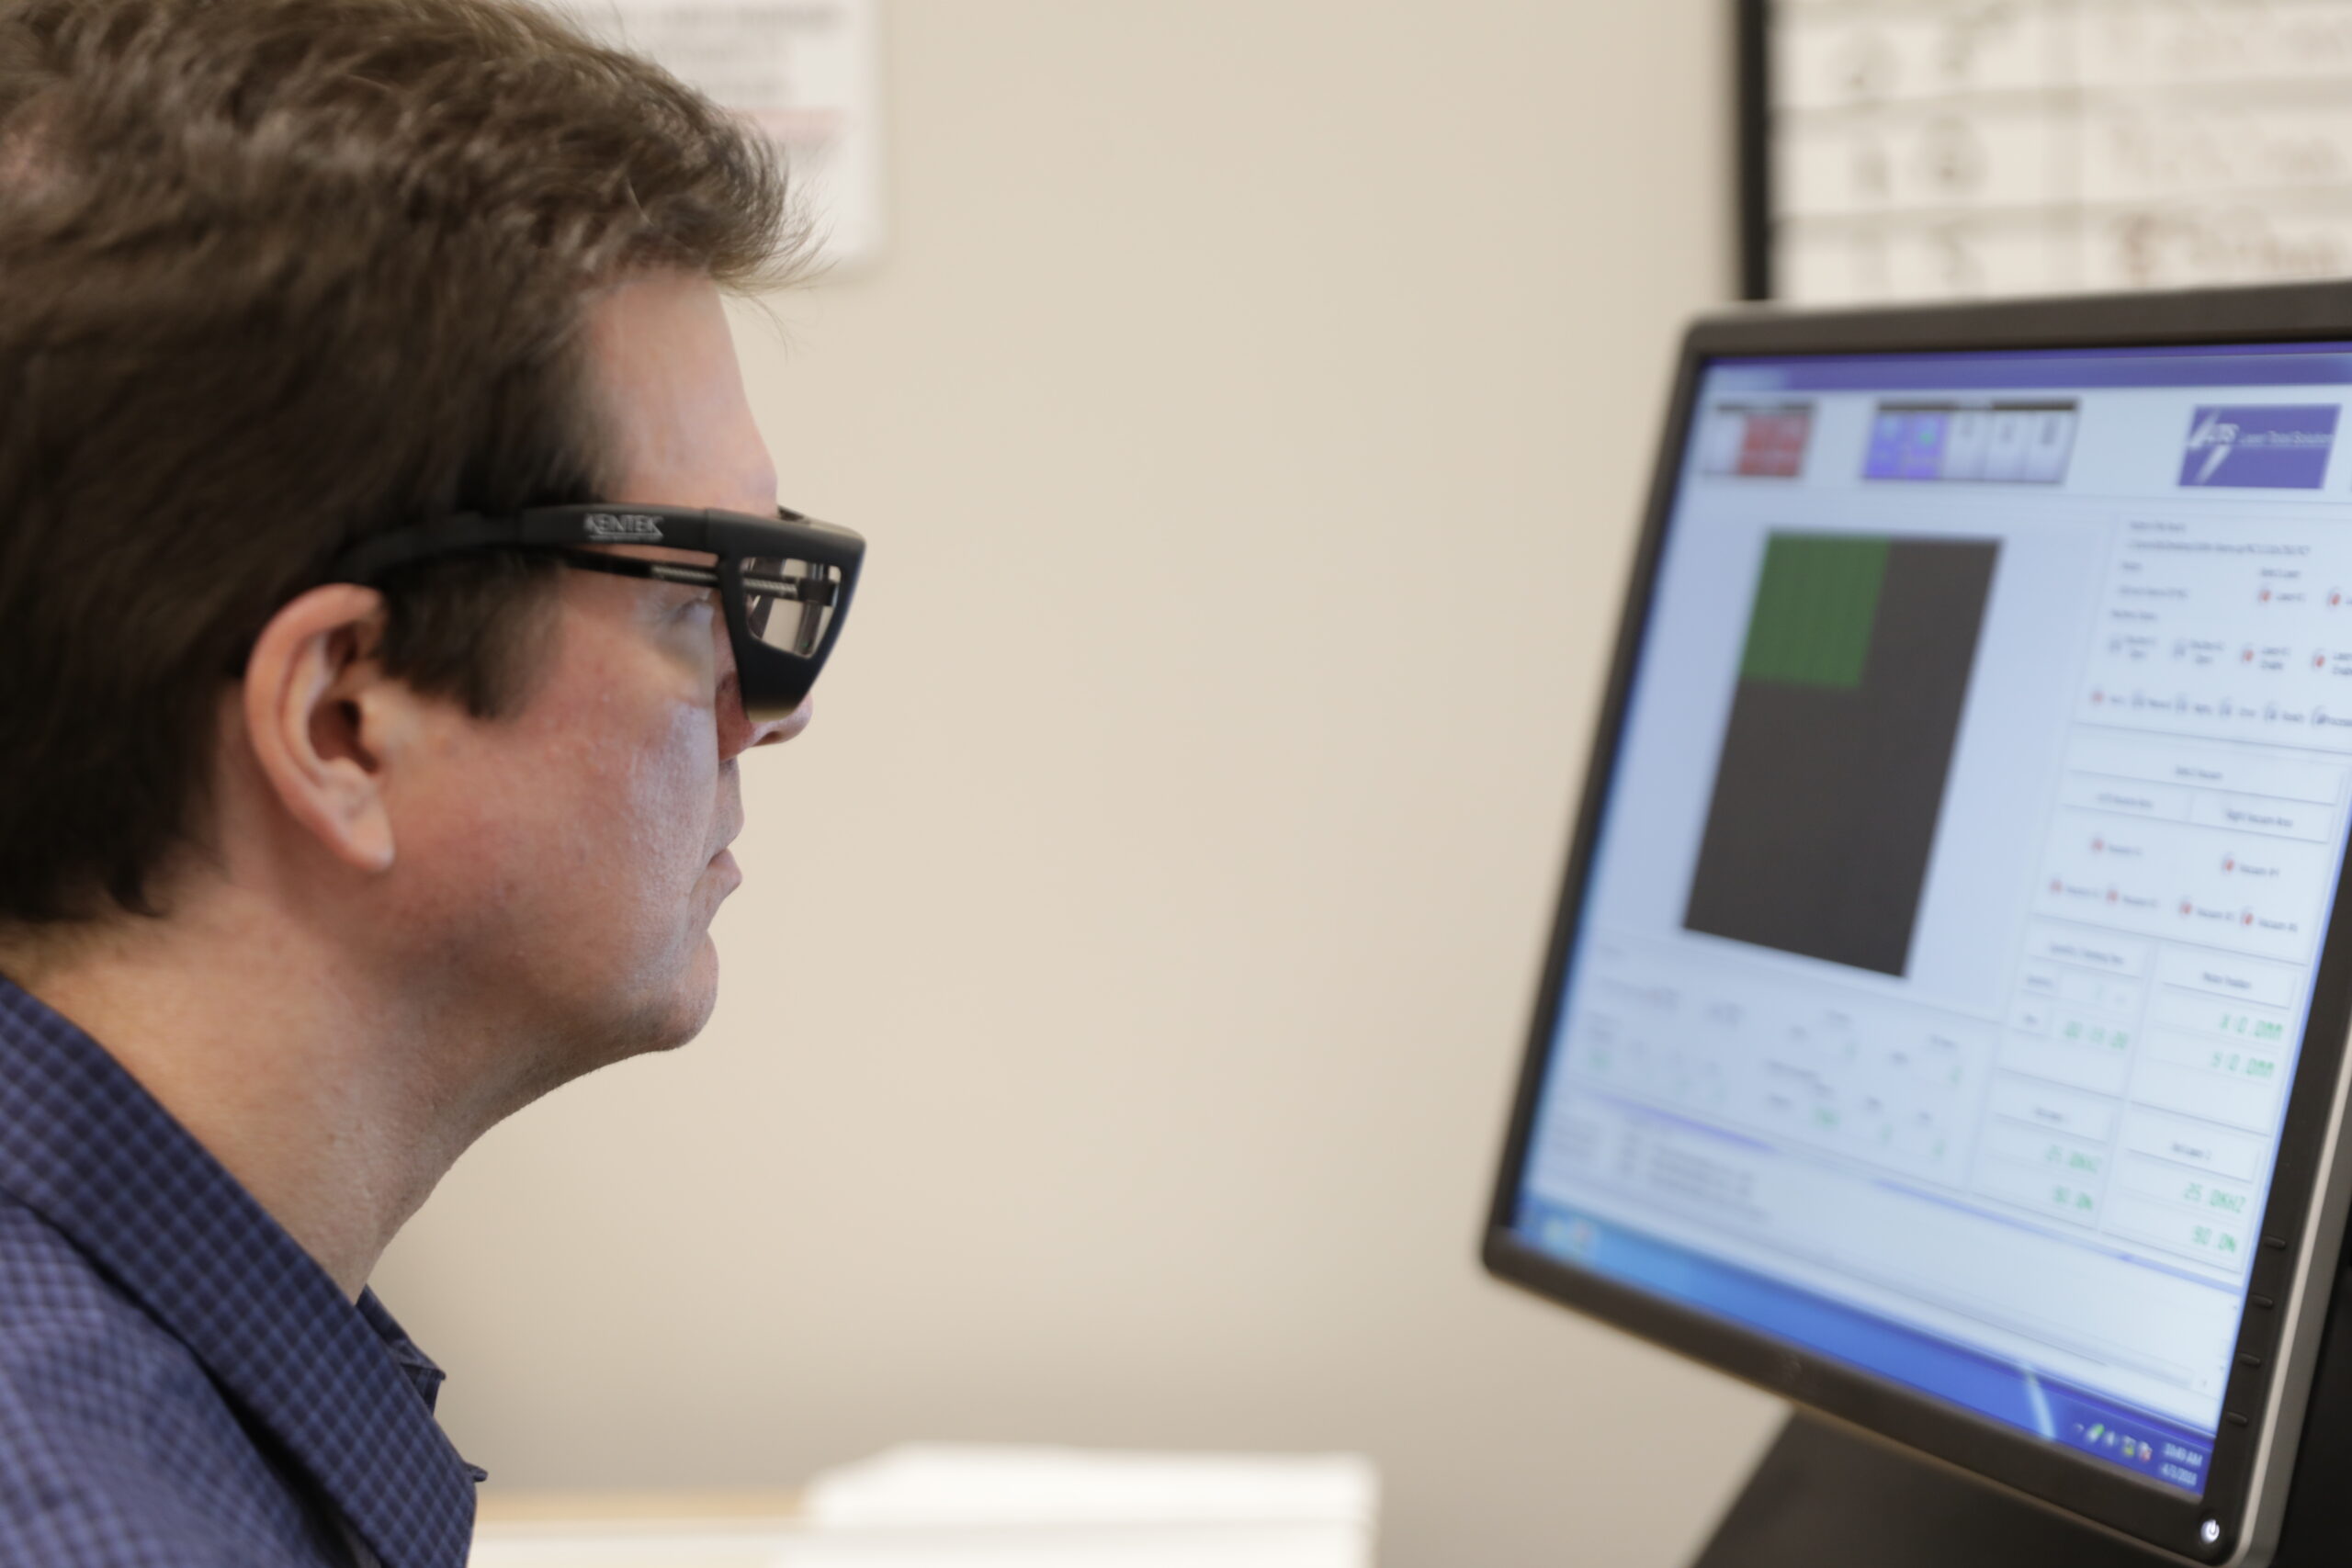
[(276, 276)]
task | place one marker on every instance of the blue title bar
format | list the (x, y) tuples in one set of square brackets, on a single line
[(2217, 365)]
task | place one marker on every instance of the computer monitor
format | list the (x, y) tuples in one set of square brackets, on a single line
[(1944, 1021)]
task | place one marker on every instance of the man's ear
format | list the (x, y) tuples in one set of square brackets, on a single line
[(320, 713)]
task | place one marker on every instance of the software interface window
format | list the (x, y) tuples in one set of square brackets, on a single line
[(1952, 925)]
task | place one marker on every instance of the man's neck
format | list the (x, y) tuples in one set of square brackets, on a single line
[(291, 1070)]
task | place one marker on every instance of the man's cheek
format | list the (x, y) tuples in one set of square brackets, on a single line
[(674, 792)]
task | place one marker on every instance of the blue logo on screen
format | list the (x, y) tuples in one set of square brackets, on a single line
[(2281, 447)]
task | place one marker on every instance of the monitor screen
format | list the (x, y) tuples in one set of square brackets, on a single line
[(1961, 868)]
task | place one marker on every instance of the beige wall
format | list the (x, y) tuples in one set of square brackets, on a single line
[(1250, 420)]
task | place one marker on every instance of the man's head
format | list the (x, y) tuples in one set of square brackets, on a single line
[(283, 275)]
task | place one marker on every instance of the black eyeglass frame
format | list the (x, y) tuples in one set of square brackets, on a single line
[(774, 680)]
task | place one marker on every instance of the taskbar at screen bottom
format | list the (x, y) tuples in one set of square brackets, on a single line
[(2151, 1447)]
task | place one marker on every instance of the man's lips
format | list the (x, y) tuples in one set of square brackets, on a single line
[(783, 730)]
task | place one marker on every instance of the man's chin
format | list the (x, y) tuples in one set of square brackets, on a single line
[(657, 1020), (686, 1014)]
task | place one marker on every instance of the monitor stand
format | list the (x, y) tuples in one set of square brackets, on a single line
[(1825, 1497)]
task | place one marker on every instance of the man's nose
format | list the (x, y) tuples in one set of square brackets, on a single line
[(738, 733), (768, 732)]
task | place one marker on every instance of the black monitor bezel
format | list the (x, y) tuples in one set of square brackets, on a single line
[(2141, 1509)]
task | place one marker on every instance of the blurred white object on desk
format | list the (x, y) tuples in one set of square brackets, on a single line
[(935, 1506), (947, 1506), (634, 1530)]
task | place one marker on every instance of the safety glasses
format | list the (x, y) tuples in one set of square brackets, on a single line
[(785, 581)]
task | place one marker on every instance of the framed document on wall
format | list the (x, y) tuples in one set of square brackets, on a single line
[(1896, 150)]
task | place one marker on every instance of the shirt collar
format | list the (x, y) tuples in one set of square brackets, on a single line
[(340, 1385)]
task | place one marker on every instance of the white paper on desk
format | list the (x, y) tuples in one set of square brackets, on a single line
[(947, 1506), (939, 1507), (1083, 1546), (992, 1484), (614, 1544)]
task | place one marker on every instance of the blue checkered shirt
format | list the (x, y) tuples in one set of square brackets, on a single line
[(181, 1385)]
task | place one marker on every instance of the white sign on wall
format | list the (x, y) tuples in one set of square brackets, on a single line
[(1937, 148), (807, 71)]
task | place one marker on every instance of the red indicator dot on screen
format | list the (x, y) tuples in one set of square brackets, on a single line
[(2335, 599), (2056, 885), (2097, 844), (2249, 918), (2266, 596), (2110, 894), (2247, 656), (2229, 863), (2098, 697), (2319, 660), (2184, 906)]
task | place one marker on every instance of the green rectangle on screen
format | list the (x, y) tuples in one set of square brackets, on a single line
[(1816, 602)]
